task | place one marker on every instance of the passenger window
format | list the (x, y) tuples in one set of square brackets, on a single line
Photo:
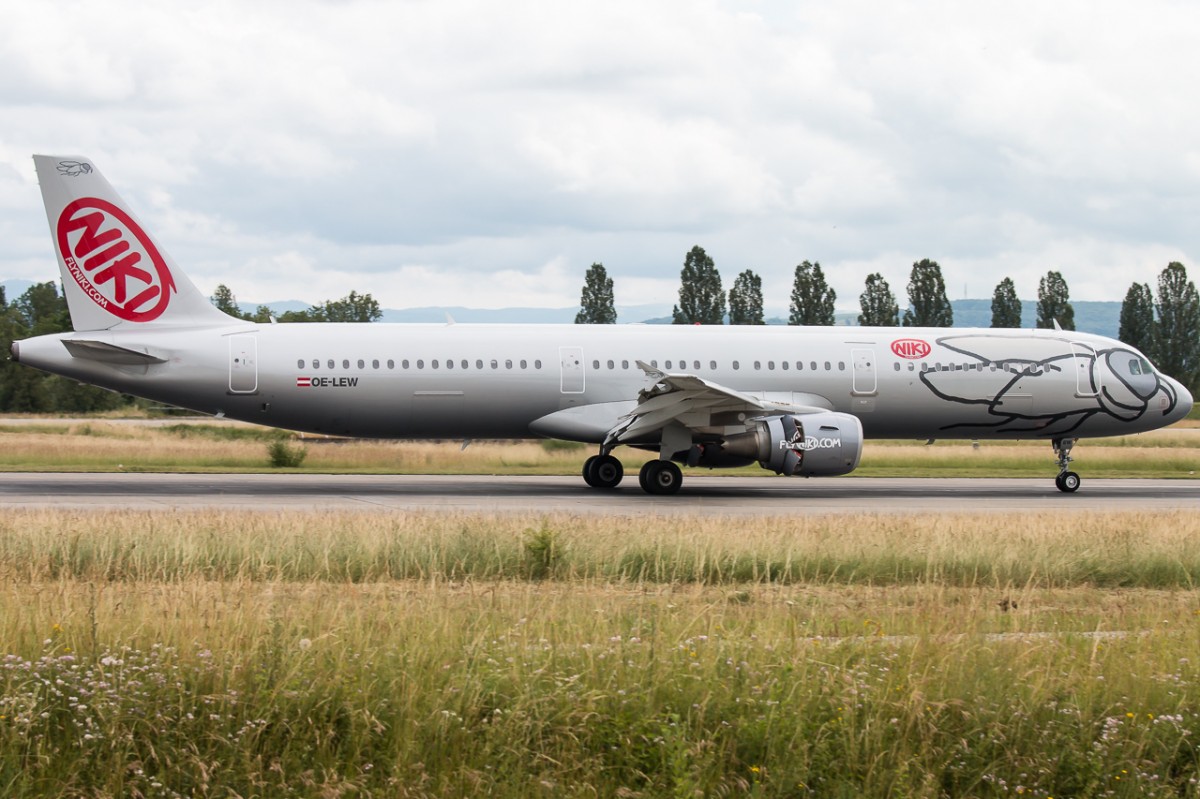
[(757, 365), (478, 364), (433, 364), (300, 364), (523, 362), (783, 365), (465, 364), (331, 363), (712, 364), (695, 364), (508, 364), (668, 364), (736, 366), (624, 364), (420, 364), (610, 366), (812, 365), (897, 366), (595, 364), (827, 366), (316, 364), (375, 364), (911, 366), (537, 364), (654, 364), (771, 365), (841, 366), (362, 364), (449, 363), (345, 363)]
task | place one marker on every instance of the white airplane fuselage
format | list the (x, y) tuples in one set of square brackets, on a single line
[(497, 381)]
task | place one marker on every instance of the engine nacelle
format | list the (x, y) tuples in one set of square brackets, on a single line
[(813, 445)]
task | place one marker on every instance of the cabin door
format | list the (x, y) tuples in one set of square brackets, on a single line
[(243, 364)]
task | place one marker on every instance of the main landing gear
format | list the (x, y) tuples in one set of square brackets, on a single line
[(656, 477), (603, 471), (1067, 481)]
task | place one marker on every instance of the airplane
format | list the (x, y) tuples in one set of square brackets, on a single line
[(799, 401)]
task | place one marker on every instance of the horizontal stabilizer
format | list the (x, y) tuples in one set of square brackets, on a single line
[(110, 353)]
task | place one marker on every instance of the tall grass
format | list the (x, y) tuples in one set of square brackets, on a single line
[(209, 654), (1146, 550), (102, 445)]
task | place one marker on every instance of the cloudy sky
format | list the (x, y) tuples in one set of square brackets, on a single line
[(484, 154)]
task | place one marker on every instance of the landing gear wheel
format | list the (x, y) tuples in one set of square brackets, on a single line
[(1067, 482), (589, 471), (603, 471), (607, 472), (660, 477)]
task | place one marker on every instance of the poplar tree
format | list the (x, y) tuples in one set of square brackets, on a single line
[(596, 301), (701, 298), (746, 300), (1137, 320), (879, 307), (1006, 307), (1054, 302), (1178, 325), (928, 304), (227, 303), (812, 298)]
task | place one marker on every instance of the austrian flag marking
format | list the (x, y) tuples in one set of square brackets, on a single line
[(326, 382)]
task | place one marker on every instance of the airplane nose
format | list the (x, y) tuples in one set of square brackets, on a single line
[(1185, 400)]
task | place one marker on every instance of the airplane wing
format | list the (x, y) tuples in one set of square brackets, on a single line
[(694, 403)]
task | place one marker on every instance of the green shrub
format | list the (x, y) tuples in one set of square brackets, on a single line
[(284, 455)]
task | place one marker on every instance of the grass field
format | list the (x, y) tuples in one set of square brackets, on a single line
[(103, 445), (327, 655)]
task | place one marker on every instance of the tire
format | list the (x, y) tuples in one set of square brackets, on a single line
[(606, 472), (1068, 482), (589, 468), (660, 477)]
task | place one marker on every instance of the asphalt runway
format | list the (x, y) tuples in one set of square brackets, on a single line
[(712, 495)]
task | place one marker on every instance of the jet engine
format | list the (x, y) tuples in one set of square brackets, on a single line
[(811, 445)]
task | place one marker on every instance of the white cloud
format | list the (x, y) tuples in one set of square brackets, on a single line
[(467, 153)]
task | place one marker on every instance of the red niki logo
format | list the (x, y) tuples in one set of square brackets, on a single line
[(911, 348), (113, 260)]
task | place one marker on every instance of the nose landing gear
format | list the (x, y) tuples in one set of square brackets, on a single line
[(1066, 481)]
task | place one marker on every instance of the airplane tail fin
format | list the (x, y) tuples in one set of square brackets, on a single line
[(113, 271)]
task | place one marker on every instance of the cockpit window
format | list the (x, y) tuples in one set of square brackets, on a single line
[(1140, 366)]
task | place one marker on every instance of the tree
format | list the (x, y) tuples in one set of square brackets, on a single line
[(354, 307), (596, 302), (879, 307), (1137, 320), (1054, 303), (1006, 307), (39, 311), (227, 303), (701, 298), (928, 305), (812, 298), (746, 300), (1178, 325)]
